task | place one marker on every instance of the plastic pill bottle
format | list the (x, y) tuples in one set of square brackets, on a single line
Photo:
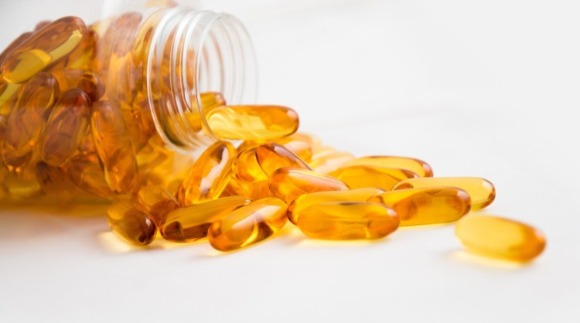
[(99, 99)]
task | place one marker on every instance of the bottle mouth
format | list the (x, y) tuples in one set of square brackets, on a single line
[(194, 52)]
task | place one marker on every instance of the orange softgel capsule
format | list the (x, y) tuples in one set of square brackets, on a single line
[(248, 225), (42, 49), (114, 147), (131, 224), (65, 127), (481, 191), (347, 220), (24, 125), (289, 183), (272, 157), (414, 165), (252, 122), (157, 202), (358, 176), (209, 174), (497, 237), (418, 206), (329, 159), (192, 222), (305, 200)]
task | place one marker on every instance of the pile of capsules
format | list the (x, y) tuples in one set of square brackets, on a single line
[(71, 125)]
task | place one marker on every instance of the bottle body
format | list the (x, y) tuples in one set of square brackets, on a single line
[(100, 109)]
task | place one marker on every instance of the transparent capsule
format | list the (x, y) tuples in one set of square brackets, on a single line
[(86, 174), (114, 147), (74, 78), (7, 97), (247, 167), (209, 174), (42, 49), (65, 127), (272, 157), (414, 165), (347, 220), (481, 191), (14, 44), (52, 179), (157, 202), (26, 121), (252, 122), (306, 200), (192, 222), (358, 176), (498, 237), (248, 225), (416, 206), (328, 160), (289, 183), (131, 224)]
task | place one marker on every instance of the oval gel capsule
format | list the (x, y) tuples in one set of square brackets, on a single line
[(498, 237)]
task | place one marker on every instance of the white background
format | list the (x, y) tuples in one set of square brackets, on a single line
[(476, 88)]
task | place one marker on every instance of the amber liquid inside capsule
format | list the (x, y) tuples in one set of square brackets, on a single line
[(481, 191), (414, 165), (289, 183), (305, 200), (251, 122), (272, 157), (347, 220), (131, 224), (426, 205), (248, 225), (498, 237), (192, 222), (358, 176)]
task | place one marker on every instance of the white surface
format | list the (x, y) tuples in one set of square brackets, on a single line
[(481, 88)]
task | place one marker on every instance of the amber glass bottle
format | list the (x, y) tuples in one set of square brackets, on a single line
[(97, 109)]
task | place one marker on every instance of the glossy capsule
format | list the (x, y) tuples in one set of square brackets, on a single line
[(87, 174), (131, 224), (43, 48), (14, 44), (414, 165), (65, 127), (51, 179), (7, 97), (358, 176), (498, 237), (305, 200), (114, 147), (247, 167), (248, 225), (272, 157), (26, 121), (289, 183), (347, 220), (328, 160), (252, 122), (209, 174), (192, 222), (418, 206), (157, 202), (481, 191)]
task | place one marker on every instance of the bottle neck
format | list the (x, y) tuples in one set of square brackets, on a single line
[(193, 52)]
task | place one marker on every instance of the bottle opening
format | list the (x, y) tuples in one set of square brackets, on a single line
[(194, 53)]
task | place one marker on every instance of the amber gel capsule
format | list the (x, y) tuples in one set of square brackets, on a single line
[(248, 225), (289, 183), (192, 222), (358, 176), (481, 191), (272, 157), (304, 201), (329, 160), (65, 127), (131, 224), (157, 202), (417, 206), (26, 121), (209, 174), (347, 220), (43, 48), (498, 237), (414, 165), (252, 122), (114, 147)]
